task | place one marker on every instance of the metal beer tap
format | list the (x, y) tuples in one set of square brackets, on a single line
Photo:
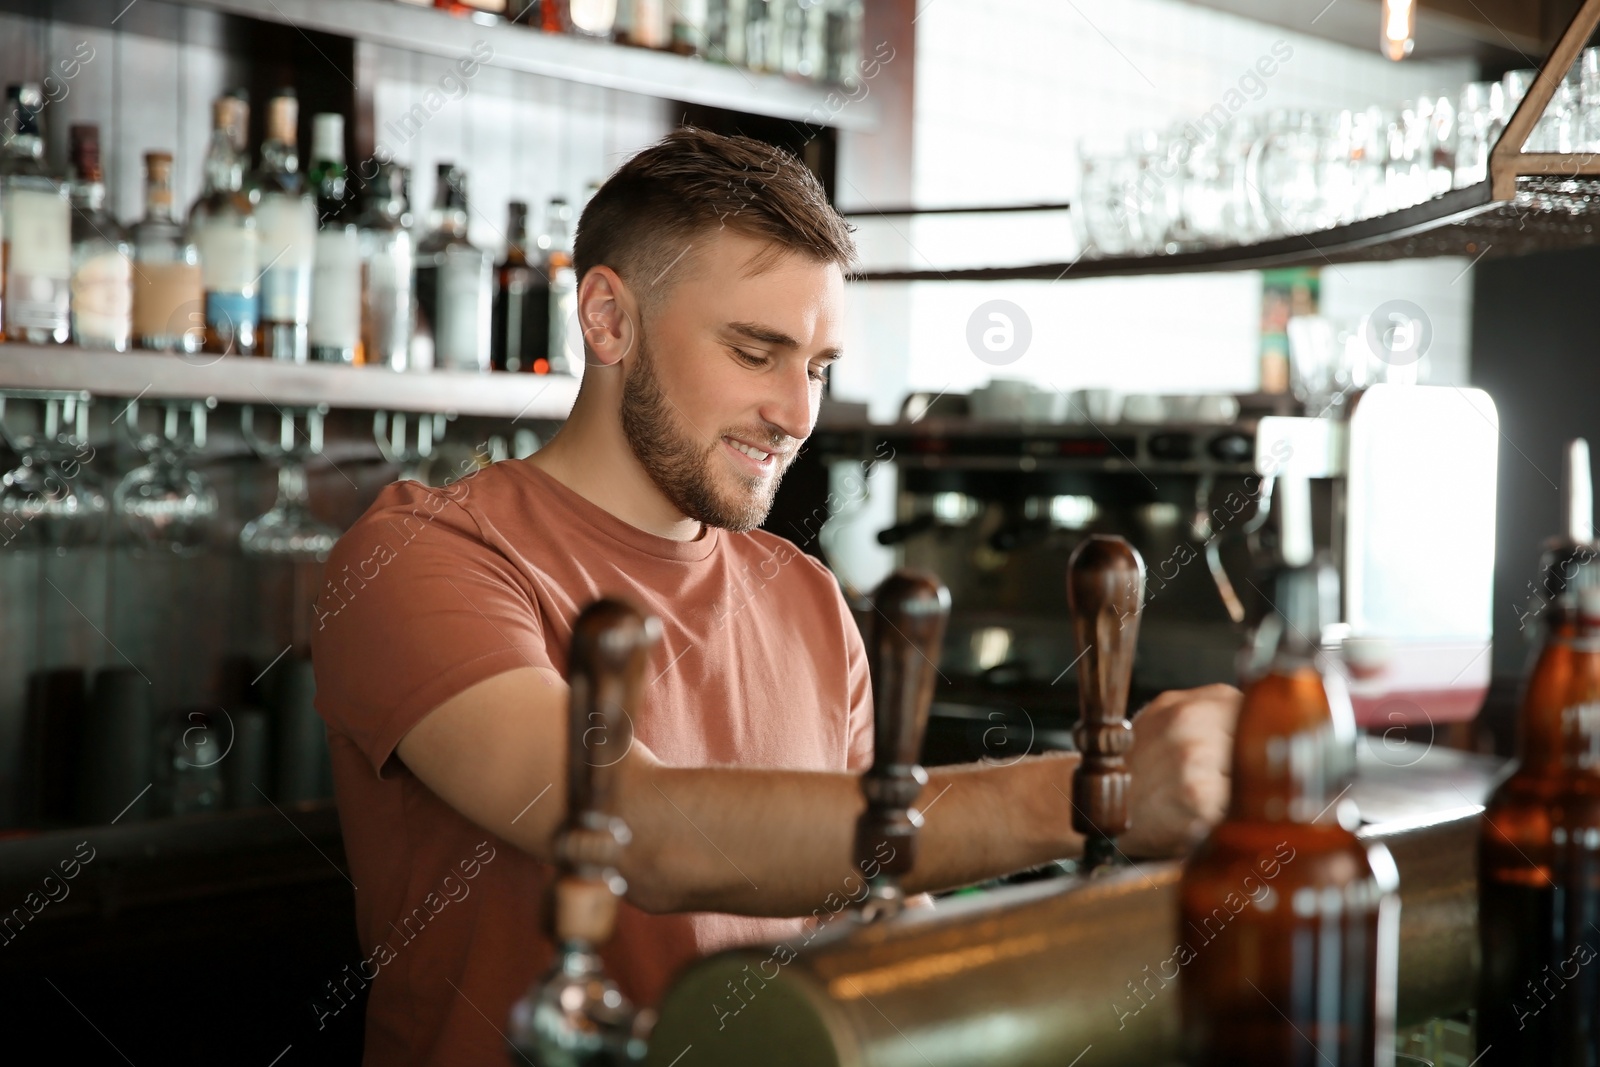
[(576, 1016), (904, 637), (1105, 595)]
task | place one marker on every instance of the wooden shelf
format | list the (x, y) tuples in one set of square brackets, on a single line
[(602, 63)]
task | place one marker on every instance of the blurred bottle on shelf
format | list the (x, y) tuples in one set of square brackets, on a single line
[(763, 35), (582, 18), (802, 38), (725, 28), (472, 7), (688, 27), (197, 740), (168, 293), (564, 352), (454, 281), (520, 330), (286, 222), (223, 225), (1539, 844), (35, 229), (1289, 921), (335, 327), (102, 259), (383, 230), (642, 23), (841, 47)]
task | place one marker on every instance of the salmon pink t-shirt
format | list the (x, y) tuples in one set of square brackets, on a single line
[(436, 589)]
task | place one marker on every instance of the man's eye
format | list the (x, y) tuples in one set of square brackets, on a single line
[(819, 374), (749, 358)]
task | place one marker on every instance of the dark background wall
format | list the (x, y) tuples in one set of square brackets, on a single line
[(1535, 341)]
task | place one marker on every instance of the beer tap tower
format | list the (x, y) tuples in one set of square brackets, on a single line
[(577, 1017), (903, 644), (1105, 595)]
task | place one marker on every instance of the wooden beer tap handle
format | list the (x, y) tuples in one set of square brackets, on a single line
[(904, 639), (1105, 595), (576, 1015), (605, 669)]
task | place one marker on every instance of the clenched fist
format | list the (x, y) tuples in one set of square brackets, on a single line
[(1181, 757)]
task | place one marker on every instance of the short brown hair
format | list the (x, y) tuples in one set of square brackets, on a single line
[(646, 216)]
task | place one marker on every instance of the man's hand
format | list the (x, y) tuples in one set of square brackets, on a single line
[(1181, 760)]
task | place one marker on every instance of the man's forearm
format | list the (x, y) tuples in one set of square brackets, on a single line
[(778, 843)]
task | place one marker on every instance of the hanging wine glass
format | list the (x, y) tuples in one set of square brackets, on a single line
[(166, 504), (397, 445), (288, 530), (51, 498)]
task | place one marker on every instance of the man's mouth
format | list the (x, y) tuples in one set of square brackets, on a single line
[(758, 460)]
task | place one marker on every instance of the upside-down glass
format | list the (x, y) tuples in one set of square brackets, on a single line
[(1152, 192), (1406, 171), (1589, 101), (1285, 179), (1479, 117), (1514, 86), (1103, 202), (288, 530), (51, 498), (166, 504)]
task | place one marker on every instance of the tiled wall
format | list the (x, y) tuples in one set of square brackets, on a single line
[(1002, 101)]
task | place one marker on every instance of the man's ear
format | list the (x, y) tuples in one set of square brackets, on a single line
[(608, 315)]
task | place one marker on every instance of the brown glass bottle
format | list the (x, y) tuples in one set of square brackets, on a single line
[(519, 326), (1539, 849), (1289, 922)]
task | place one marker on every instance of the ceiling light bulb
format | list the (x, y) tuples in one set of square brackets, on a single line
[(1399, 28)]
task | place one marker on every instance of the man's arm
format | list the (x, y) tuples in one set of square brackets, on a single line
[(766, 842)]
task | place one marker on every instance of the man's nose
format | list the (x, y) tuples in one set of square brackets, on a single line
[(788, 407)]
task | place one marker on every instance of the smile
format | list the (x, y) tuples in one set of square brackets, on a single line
[(758, 460)]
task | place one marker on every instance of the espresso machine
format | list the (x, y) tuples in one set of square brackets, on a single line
[(1402, 482)]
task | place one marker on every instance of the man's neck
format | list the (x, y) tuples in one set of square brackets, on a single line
[(590, 456)]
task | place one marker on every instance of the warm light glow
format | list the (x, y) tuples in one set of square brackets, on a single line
[(1399, 27)]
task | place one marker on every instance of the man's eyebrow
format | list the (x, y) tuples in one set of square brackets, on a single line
[(771, 336)]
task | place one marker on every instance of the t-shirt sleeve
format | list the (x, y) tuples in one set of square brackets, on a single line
[(859, 754), (415, 608)]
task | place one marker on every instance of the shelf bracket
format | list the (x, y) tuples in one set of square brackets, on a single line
[(1507, 160)]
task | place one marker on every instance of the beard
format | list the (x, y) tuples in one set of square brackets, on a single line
[(684, 466)]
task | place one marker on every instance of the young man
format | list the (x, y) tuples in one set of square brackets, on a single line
[(711, 289)]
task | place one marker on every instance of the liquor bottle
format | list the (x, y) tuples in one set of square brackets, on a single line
[(335, 329), (223, 226), (1539, 845), (454, 280), (801, 48), (725, 21), (35, 228), (520, 328), (555, 245), (581, 18), (168, 293), (688, 32), (841, 42), (102, 259), (481, 9), (1289, 922), (763, 34), (386, 265), (642, 23), (286, 222)]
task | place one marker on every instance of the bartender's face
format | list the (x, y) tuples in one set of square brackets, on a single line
[(726, 377)]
